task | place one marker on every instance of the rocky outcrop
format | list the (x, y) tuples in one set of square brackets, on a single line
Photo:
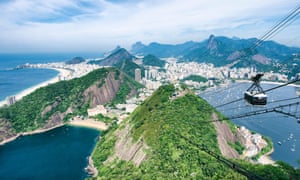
[(212, 44), (49, 108), (57, 118), (105, 93), (128, 150), (261, 59), (90, 169), (6, 130), (224, 136)]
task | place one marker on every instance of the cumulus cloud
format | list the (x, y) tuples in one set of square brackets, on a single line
[(70, 25)]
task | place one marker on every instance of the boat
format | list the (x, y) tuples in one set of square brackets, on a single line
[(279, 143), (255, 94), (293, 148)]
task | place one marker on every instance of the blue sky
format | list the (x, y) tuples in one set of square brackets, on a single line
[(101, 25)]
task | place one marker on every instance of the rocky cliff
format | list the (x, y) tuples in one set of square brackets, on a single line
[(104, 91), (53, 105)]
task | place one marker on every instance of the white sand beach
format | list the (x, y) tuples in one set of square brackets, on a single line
[(89, 123), (265, 159), (62, 73)]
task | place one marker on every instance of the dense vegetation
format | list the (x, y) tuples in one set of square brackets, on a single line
[(125, 90), (151, 60), (196, 78), (26, 114), (164, 124), (128, 66), (29, 113)]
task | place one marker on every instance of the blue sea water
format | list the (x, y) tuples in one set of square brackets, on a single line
[(57, 154), (278, 127), (13, 81)]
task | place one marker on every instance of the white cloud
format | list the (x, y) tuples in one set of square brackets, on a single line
[(66, 25)]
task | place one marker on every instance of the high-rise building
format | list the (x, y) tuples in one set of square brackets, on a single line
[(11, 100), (137, 75), (146, 74)]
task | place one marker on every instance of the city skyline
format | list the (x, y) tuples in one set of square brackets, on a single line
[(99, 26)]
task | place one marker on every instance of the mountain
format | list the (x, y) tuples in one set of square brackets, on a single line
[(163, 50), (151, 60), (169, 137), (76, 60), (121, 59), (57, 103), (116, 57), (222, 51)]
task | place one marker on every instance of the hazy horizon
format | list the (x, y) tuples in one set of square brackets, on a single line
[(100, 26)]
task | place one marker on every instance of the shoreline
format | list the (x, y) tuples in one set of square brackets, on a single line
[(266, 158), (89, 123), (267, 82), (25, 92), (37, 131)]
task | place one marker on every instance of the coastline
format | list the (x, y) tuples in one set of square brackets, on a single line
[(266, 159), (62, 73), (37, 131), (267, 82), (90, 123)]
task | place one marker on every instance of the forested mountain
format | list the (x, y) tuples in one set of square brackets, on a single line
[(163, 50), (151, 60), (121, 59), (57, 103), (75, 60), (223, 51), (168, 137)]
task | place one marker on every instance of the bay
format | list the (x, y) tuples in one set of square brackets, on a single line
[(279, 127), (13, 81), (60, 153)]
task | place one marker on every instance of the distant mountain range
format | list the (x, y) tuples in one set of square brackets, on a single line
[(151, 60), (221, 51), (75, 60)]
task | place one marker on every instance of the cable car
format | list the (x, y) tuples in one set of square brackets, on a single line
[(255, 94)]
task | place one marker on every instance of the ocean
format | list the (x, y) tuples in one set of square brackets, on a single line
[(13, 81), (60, 153), (57, 154), (278, 127)]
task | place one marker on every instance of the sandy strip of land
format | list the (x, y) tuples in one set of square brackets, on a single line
[(89, 123), (62, 73), (266, 159)]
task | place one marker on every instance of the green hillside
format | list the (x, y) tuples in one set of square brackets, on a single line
[(196, 78), (62, 100), (151, 60), (170, 131)]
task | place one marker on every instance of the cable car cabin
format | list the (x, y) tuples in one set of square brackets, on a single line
[(255, 94), (255, 99)]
